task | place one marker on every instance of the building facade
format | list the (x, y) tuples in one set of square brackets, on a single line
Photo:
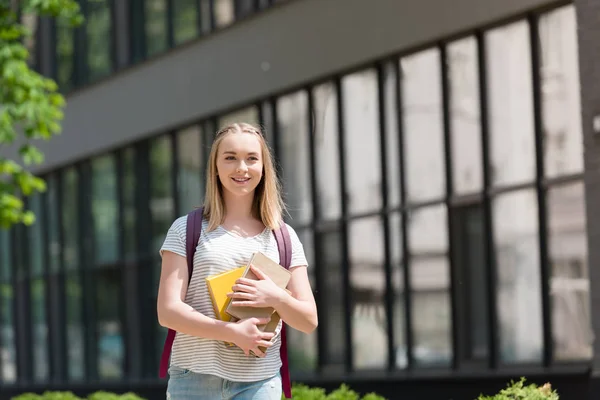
[(438, 158)]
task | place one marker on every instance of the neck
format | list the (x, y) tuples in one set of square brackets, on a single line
[(238, 208)]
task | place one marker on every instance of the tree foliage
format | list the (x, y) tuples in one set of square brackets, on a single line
[(31, 107)]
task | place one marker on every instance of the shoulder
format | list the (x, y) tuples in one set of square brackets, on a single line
[(179, 225)]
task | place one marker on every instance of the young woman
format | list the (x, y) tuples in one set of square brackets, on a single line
[(242, 206)]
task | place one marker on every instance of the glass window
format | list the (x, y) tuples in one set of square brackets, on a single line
[(392, 135), (363, 169), (38, 291), (302, 348), (7, 333), (423, 125), (156, 26), (205, 15), (244, 8), (70, 218), (185, 20), (161, 190), (248, 115), (75, 336), (65, 54), (224, 12), (109, 332), (327, 151), (99, 29), (367, 281), (430, 283), (563, 140), (472, 276), (268, 125), (516, 232), (512, 141), (191, 168), (293, 131), (53, 207), (329, 249), (465, 120), (399, 313), (105, 212), (570, 282), (128, 208), (31, 21)]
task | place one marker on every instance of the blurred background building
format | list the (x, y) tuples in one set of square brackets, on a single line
[(432, 155)]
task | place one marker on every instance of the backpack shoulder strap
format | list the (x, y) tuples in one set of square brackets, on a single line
[(192, 236), (284, 245)]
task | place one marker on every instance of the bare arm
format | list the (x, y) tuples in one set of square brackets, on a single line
[(298, 308), (174, 313)]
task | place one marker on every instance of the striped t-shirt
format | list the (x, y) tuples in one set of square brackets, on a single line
[(219, 251)]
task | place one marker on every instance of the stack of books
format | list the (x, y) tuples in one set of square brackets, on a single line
[(221, 284)]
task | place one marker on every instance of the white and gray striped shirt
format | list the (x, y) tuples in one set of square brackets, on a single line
[(219, 251)]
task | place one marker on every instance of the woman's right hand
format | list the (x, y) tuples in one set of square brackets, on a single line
[(248, 337)]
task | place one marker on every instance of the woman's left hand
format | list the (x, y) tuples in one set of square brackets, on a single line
[(256, 293)]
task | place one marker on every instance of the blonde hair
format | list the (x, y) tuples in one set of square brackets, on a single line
[(267, 205)]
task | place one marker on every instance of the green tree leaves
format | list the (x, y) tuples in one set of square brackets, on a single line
[(31, 108)]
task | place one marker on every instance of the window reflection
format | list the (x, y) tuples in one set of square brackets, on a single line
[(329, 249), (518, 266), (293, 131), (423, 129), (65, 53), (224, 12), (70, 218), (367, 280), (128, 208), (560, 93), (75, 336), (156, 26), (512, 142), (302, 348), (326, 150), (363, 170), (570, 282), (99, 29), (191, 168), (52, 204), (185, 20), (399, 313), (248, 115), (392, 135), (430, 282), (108, 325), (104, 210), (467, 168), (8, 350), (38, 291)]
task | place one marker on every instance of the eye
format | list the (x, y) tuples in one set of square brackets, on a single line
[(229, 158), (253, 158)]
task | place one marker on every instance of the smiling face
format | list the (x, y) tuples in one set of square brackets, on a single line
[(239, 163)]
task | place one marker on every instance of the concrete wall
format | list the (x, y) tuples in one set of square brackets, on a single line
[(286, 46)]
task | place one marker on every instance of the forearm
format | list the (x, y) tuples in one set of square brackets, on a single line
[(300, 315), (182, 318)]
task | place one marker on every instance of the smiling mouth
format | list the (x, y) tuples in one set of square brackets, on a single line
[(240, 180)]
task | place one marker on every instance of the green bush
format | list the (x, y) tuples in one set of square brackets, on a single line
[(519, 391), (70, 396), (303, 392)]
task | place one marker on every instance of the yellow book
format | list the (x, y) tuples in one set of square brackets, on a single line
[(218, 287)]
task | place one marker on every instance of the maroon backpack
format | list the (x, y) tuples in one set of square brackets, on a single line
[(192, 236)]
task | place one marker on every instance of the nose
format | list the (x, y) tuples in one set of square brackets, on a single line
[(242, 167)]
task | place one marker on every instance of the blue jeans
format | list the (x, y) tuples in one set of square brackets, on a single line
[(187, 385)]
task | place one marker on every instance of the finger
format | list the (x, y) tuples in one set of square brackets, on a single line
[(243, 288), (261, 321), (264, 343), (267, 335), (258, 352), (246, 281), (244, 303), (241, 295), (259, 274)]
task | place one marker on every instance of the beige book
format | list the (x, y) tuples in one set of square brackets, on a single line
[(279, 275)]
